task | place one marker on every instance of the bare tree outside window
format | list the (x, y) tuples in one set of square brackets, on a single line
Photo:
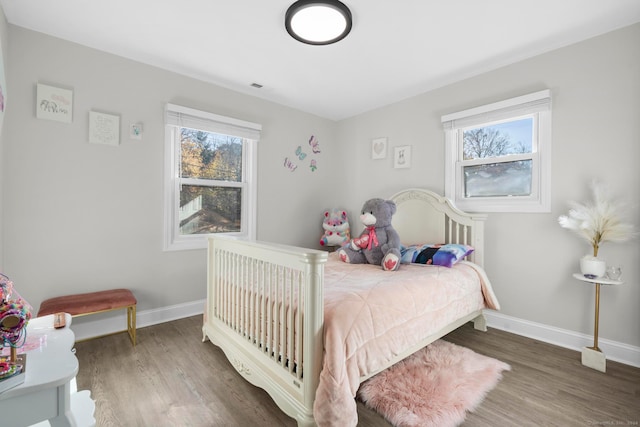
[(484, 142), (503, 177), (498, 140), (498, 155)]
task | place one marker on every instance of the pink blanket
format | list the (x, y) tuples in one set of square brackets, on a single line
[(372, 315)]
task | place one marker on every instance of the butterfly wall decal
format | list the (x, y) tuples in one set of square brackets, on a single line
[(299, 153), (290, 165), (315, 144)]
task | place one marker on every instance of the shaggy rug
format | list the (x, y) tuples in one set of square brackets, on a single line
[(435, 386)]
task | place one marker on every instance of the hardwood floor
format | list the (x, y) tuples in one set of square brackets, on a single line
[(172, 379)]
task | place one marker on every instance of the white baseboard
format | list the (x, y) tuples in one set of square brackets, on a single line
[(616, 351), (106, 323)]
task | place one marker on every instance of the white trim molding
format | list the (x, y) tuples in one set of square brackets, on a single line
[(107, 323), (614, 350), (98, 325), (535, 107)]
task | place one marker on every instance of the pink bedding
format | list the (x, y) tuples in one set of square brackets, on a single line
[(372, 315)]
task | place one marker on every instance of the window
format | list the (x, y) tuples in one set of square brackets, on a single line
[(210, 172), (498, 156)]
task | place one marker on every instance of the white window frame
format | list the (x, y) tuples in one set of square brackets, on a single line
[(536, 105), (176, 117)]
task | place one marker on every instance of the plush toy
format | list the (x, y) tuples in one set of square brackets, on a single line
[(379, 243), (336, 228)]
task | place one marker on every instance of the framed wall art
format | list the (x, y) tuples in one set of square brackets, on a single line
[(54, 103), (135, 131), (378, 148), (402, 157), (104, 128)]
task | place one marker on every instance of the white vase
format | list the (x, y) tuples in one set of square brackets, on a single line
[(590, 265)]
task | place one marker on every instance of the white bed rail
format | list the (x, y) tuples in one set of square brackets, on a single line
[(426, 217), (265, 310)]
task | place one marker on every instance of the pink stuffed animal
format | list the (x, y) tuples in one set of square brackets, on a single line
[(336, 228)]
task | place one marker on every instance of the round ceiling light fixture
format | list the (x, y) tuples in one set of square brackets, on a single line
[(318, 22)]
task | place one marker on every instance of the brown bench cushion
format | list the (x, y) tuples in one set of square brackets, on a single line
[(88, 303)]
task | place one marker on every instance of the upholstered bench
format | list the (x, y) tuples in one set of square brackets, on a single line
[(93, 303)]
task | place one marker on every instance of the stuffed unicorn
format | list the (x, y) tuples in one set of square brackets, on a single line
[(336, 228)]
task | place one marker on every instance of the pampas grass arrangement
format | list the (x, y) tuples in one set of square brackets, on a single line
[(599, 220)]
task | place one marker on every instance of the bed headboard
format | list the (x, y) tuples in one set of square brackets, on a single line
[(426, 217)]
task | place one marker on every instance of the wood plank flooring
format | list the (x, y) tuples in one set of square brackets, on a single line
[(171, 378)]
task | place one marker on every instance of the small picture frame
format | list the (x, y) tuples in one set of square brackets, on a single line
[(54, 103), (135, 131), (402, 157), (104, 128), (378, 148)]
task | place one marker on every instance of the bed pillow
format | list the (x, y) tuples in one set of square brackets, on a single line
[(446, 255), (450, 254), (409, 254)]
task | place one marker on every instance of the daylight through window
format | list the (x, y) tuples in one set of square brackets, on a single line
[(210, 162), (498, 155)]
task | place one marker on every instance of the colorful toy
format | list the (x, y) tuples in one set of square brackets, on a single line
[(336, 228), (15, 313), (379, 242)]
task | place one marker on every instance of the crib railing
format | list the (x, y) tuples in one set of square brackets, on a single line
[(466, 233), (265, 310)]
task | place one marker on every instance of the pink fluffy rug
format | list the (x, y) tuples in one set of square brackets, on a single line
[(435, 386)]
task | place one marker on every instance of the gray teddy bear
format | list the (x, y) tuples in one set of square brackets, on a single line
[(379, 242)]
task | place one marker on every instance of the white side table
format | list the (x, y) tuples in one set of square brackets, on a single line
[(46, 393), (593, 357)]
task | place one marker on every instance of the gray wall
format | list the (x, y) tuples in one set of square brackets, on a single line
[(81, 217), (596, 134), (4, 46)]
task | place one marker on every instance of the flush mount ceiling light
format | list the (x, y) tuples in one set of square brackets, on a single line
[(318, 22)]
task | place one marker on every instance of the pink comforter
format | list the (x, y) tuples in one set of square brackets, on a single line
[(372, 315)]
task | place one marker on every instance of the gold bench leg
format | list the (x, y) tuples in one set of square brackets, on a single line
[(131, 323)]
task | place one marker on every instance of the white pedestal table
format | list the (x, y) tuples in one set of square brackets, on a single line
[(593, 357), (49, 385)]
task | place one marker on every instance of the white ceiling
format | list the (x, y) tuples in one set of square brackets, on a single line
[(397, 49)]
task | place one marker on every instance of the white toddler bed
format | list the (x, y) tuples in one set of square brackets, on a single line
[(309, 329)]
